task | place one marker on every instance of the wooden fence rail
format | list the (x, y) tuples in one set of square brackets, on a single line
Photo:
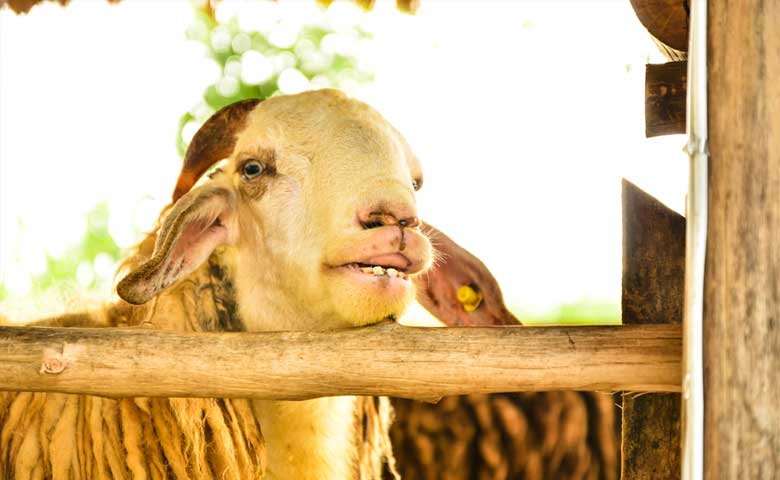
[(384, 359)]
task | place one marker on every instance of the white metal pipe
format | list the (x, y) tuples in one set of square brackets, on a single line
[(695, 246)]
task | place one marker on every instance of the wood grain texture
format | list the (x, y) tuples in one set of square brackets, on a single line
[(653, 259), (742, 284), (651, 437), (667, 23), (385, 359), (653, 293), (665, 97)]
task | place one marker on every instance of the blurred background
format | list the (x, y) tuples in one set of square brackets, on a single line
[(524, 114)]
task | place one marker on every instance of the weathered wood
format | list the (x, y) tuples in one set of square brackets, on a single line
[(385, 359), (653, 259), (653, 293), (665, 97), (667, 23), (742, 279), (651, 437)]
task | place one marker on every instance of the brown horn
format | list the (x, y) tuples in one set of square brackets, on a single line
[(213, 142)]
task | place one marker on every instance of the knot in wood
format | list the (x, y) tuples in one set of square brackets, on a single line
[(53, 365)]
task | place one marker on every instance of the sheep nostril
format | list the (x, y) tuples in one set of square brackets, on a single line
[(376, 219), (371, 224), (382, 217), (410, 222)]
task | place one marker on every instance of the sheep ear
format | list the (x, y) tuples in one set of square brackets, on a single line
[(199, 222), (459, 289)]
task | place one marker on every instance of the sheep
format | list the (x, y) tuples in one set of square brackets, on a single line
[(310, 223), (317, 192)]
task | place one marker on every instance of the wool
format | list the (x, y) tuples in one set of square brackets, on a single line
[(546, 435), (72, 437), (79, 437), (283, 242)]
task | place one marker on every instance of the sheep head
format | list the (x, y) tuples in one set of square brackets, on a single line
[(316, 203)]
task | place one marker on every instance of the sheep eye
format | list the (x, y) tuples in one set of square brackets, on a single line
[(416, 184), (252, 169)]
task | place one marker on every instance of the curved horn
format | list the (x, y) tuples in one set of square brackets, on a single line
[(214, 141)]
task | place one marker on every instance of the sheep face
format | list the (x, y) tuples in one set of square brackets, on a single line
[(337, 186), (316, 206)]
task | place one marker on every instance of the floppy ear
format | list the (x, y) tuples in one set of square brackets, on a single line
[(201, 220), (459, 289)]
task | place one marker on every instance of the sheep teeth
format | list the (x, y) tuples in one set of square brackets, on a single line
[(379, 271)]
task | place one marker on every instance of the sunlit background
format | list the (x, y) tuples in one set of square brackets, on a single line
[(524, 114)]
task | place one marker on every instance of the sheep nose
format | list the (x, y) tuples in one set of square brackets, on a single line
[(381, 216)]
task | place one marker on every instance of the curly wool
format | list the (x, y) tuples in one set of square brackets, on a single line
[(81, 437), (50, 435), (546, 435), (75, 437)]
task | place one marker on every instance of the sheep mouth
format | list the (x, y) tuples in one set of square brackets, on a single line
[(377, 270)]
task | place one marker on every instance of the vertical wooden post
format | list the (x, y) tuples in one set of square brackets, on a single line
[(742, 284), (653, 289)]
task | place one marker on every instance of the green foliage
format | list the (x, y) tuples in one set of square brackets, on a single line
[(583, 312), (96, 241), (317, 55), (252, 62)]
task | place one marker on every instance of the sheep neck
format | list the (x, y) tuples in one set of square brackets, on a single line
[(312, 439)]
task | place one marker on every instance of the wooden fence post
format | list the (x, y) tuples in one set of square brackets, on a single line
[(742, 279), (653, 289)]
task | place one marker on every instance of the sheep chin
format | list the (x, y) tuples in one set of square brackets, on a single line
[(362, 299)]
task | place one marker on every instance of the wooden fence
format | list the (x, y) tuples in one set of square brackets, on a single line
[(385, 359)]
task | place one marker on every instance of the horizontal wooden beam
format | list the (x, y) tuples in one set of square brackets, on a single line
[(384, 359), (665, 97)]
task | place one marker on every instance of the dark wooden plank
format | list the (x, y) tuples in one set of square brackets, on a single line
[(653, 259), (651, 437), (742, 284), (653, 288), (665, 96)]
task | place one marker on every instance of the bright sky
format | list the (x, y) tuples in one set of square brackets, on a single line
[(524, 114)]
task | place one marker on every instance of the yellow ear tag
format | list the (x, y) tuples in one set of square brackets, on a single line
[(469, 298)]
